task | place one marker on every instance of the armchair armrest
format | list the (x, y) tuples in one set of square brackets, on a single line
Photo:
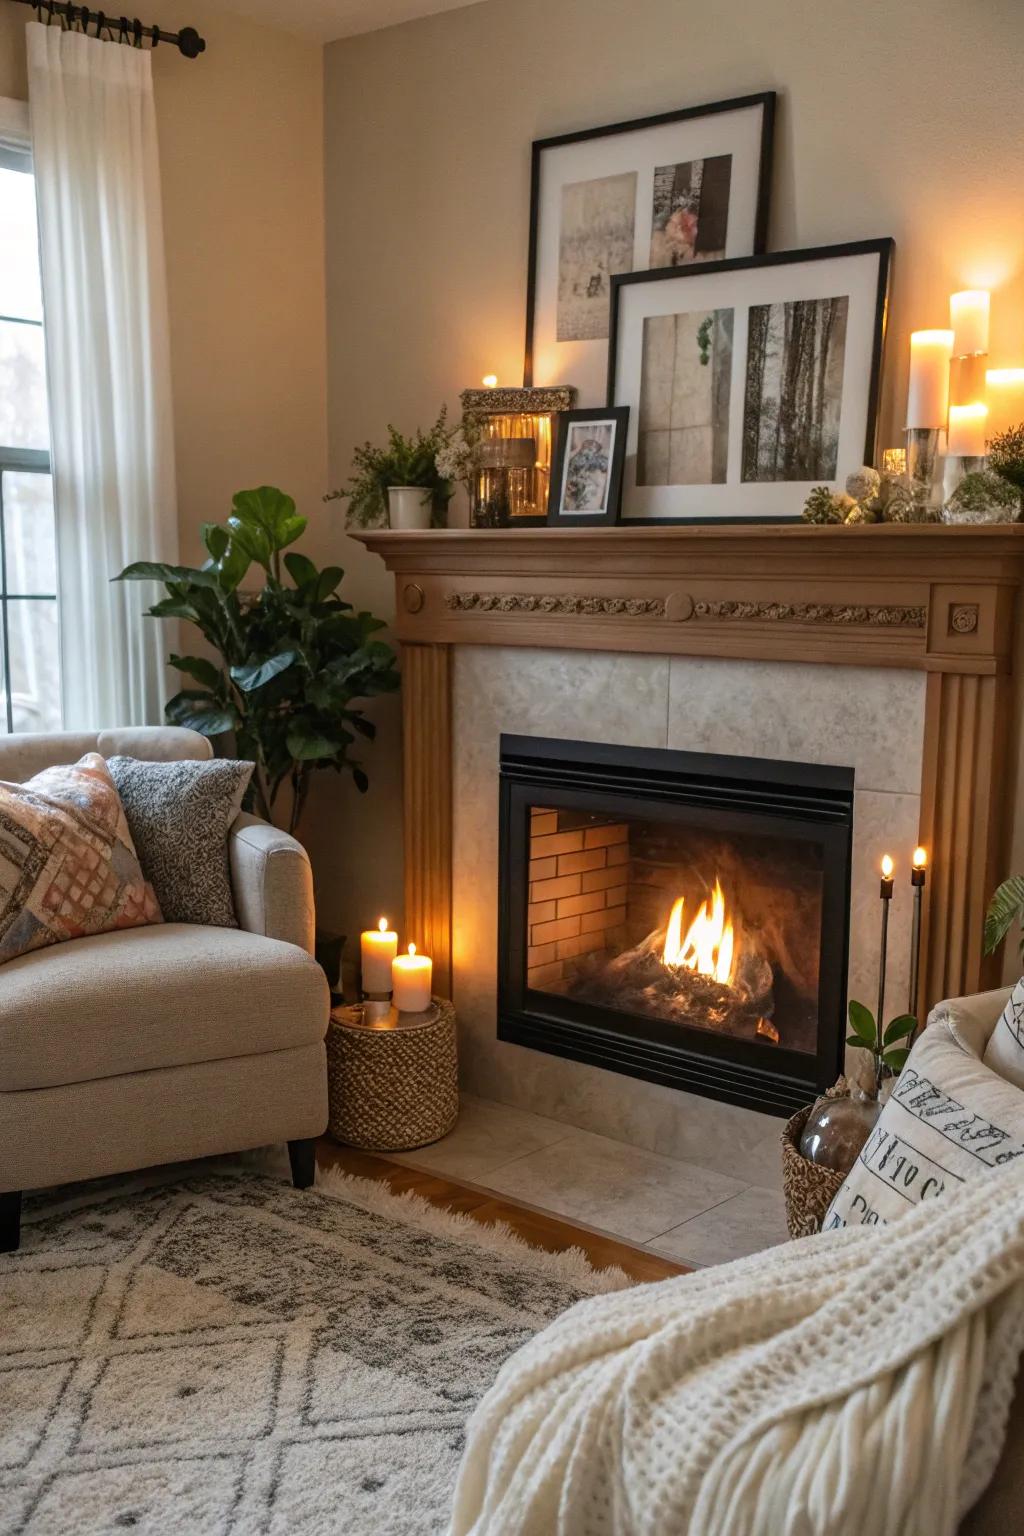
[(272, 882)]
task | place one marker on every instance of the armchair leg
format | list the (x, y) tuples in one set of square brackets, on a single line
[(302, 1156), (10, 1221)]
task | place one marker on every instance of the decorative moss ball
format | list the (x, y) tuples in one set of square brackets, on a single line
[(983, 497), (864, 483)]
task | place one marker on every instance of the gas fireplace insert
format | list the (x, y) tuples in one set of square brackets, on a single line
[(677, 916)]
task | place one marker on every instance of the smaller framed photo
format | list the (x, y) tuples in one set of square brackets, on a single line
[(586, 472)]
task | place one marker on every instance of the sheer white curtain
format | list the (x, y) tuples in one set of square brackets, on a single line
[(105, 310)]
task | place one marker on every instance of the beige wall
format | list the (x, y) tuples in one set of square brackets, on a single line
[(895, 119)]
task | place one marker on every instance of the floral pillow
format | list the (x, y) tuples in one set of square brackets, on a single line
[(68, 866)]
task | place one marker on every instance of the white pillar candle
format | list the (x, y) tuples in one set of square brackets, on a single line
[(411, 976), (1005, 387), (377, 948), (928, 396), (967, 430), (968, 316)]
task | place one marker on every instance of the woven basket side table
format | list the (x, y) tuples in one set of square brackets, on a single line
[(393, 1078)]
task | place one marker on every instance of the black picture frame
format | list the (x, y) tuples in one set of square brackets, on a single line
[(557, 517), (765, 100), (882, 248)]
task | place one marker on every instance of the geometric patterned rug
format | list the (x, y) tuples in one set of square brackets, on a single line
[(226, 1356)]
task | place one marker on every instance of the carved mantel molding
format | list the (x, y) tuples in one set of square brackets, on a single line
[(936, 599)]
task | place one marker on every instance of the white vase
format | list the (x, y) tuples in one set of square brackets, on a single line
[(409, 506)]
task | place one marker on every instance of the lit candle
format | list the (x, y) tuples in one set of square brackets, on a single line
[(886, 894), (968, 425), (917, 879), (411, 977), (490, 381), (928, 396), (1005, 388), (968, 316), (377, 948)]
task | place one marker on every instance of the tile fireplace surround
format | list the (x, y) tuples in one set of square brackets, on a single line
[(888, 650)]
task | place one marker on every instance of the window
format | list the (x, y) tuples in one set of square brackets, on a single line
[(29, 654)]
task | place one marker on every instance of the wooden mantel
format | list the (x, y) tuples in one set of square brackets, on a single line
[(941, 600)]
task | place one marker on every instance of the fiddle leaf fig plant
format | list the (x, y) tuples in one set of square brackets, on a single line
[(293, 658)]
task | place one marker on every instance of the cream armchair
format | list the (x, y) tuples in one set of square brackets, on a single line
[(153, 1045)]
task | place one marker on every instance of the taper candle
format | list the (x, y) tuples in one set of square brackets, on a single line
[(928, 395), (917, 878), (886, 895), (411, 977), (377, 948)]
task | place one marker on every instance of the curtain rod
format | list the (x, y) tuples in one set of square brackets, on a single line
[(118, 29)]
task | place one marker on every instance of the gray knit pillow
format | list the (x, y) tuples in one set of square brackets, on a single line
[(179, 815)]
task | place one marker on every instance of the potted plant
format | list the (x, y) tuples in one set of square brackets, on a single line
[(292, 657), (399, 485)]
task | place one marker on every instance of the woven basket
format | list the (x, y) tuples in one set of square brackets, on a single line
[(392, 1089), (809, 1190)]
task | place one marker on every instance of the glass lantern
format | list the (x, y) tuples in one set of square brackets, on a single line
[(513, 429)]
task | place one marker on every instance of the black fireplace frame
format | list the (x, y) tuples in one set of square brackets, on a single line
[(802, 800)]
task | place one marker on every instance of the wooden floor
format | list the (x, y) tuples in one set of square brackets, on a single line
[(535, 1227)]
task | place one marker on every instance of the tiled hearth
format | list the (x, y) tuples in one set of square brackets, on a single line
[(677, 1208)]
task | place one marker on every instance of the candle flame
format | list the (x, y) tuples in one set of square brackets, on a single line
[(490, 381), (412, 949), (383, 925), (887, 866), (920, 858), (1004, 376)]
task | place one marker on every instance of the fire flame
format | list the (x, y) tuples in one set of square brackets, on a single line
[(709, 942)]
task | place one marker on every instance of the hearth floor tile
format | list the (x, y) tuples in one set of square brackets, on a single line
[(622, 1189), (749, 1221), (487, 1136)]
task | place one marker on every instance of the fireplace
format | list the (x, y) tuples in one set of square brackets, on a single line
[(676, 916)]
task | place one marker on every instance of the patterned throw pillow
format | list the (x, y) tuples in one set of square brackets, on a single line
[(68, 866), (1005, 1051), (180, 815), (949, 1118)]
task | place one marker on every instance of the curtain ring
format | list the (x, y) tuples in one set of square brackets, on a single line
[(122, 30), (101, 22), (136, 33)]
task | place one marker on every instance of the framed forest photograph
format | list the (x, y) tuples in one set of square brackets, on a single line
[(664, 192), (586, 471), (748, 381)]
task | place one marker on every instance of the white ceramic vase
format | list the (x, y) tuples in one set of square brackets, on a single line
[(409, 506)]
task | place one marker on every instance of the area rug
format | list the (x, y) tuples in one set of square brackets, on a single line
[(225, 1356)]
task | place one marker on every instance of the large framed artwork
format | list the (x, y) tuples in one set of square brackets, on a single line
[(664, 192), (748, 381)]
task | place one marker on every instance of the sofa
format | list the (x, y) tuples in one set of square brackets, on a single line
[(159, 1044)]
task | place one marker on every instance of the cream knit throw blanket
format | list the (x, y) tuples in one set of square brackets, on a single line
[(856, 1383)]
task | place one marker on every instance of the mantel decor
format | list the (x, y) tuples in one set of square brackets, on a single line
[(512, 432), (685, 186), (937, 599)]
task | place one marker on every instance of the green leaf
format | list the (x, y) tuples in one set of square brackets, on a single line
[(328, 580), (899, 1028), (198, 667), (291, 529), (201, 712), (862, 1022), (270, 513), (301, 569), (1005, 908), (305, 744), (362, 783), (216, 538), (252, 677), (156, 570), (897, 1060), (173, 608), (856, 1040), (233, 566)]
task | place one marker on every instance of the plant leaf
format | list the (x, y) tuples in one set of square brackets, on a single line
[(329, 579), (201, 712), (252, 677), (897, 1060), (198, 667), (856, 1040), (301, 569), (862, 1021), (1005, 908), (306, 744), (216, 538), (156, 570), (899, 1028), (362, 783)]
